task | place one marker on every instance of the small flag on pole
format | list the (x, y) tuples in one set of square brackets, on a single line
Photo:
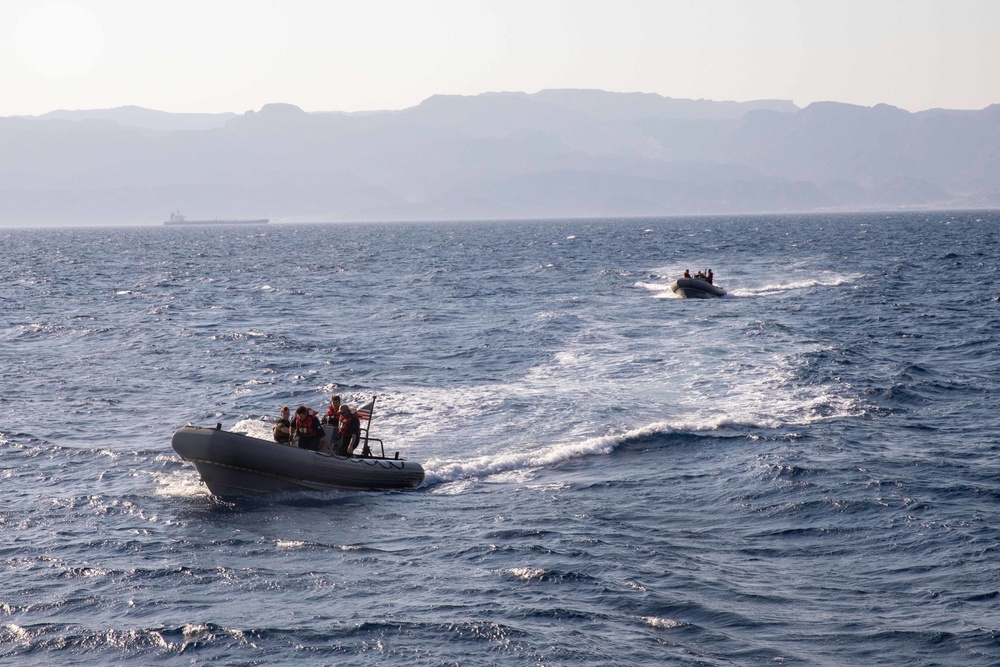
[(365, 411)]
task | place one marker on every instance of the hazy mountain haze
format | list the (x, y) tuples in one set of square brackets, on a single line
[(496, 155)]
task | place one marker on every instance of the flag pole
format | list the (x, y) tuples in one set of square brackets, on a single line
[(365, 451)]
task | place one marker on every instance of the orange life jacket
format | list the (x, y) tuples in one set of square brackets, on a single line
[(307, 425)]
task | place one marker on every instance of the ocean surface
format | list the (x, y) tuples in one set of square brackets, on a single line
[(804, 472)]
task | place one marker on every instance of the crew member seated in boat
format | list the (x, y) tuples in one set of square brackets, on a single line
[(308, 429), (700, 275), (350, 431), (333, 426), (283, 428), (687, 274), (332, 415)]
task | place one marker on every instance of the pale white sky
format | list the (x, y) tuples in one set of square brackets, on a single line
[(332, 55)]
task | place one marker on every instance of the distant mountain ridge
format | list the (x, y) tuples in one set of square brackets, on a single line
[(554, 153), (133, 116)]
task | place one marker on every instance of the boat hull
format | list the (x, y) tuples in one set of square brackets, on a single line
[(233, 464), (692, 288)]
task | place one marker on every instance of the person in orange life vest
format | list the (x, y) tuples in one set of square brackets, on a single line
[(332, 419), (350, 431), (308, 429), (332, 415)]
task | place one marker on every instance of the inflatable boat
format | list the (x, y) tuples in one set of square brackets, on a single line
[(233, 464), (693, 288)]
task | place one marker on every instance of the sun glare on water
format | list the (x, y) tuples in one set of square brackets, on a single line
[(59, 39)]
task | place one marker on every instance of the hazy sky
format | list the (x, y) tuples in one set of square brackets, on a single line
[(328, 55)]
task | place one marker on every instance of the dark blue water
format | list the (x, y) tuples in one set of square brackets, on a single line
[(805, 472)]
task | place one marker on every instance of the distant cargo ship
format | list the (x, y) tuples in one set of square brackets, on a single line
[(177, 219)]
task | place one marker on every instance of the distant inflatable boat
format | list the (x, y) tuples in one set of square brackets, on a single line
[(233, 464), (692, 288)]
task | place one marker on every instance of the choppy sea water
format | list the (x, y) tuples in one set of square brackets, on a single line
[(805, 472)]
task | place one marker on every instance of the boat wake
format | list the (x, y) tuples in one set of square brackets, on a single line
[(454, 476), (793, 285), (663, 290), (659, 290), (441, 471)]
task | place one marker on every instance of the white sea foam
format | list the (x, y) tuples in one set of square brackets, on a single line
[(445, 470), (661, 623), (289, 544), (788, 285), (525, 573), (510, 477), (453, 488), (659, 290), (181, 484), (255, 428), (653, 287), (18, 634), (764, 396)]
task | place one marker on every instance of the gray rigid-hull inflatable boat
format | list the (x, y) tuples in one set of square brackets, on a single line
[(233, 464), (692, 288)]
